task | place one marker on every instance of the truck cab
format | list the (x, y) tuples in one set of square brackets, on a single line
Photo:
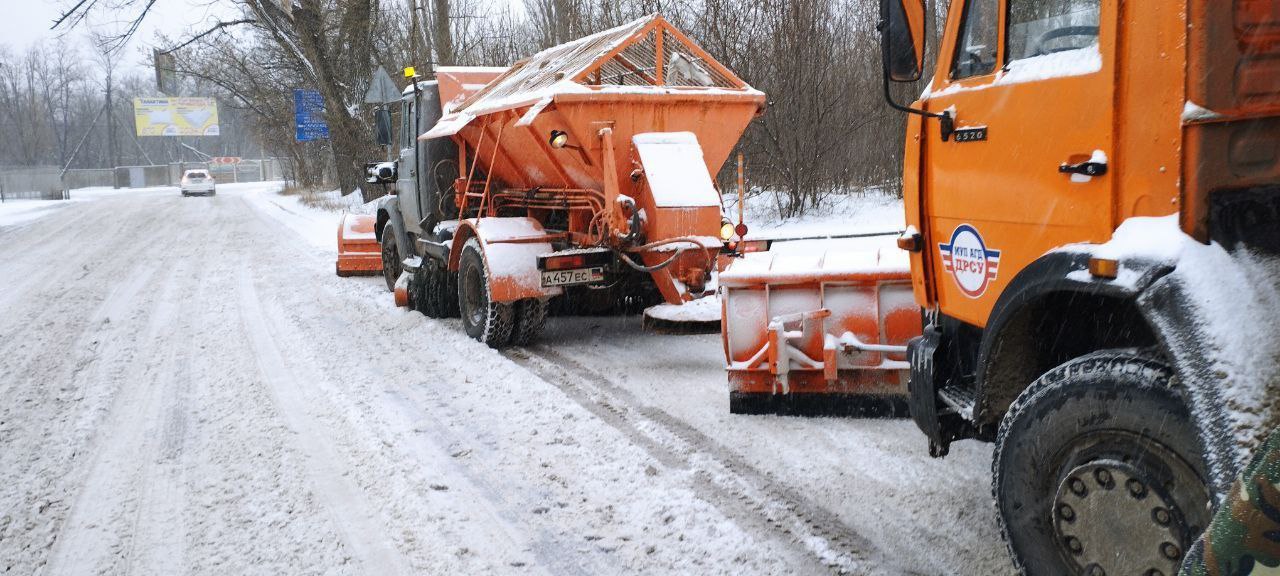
[(1046, 126), (422, 171)]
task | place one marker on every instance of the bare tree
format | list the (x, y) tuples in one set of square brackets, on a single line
[(441, 32)]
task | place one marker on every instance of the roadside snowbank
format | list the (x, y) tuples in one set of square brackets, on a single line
[(18, 212), (15, 212), (863, 212), (315, 217)]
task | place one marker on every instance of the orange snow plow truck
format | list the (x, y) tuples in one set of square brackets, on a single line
[(584, 169), (1092, 194)]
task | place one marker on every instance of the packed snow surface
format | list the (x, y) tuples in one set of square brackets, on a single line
[(18, 212)]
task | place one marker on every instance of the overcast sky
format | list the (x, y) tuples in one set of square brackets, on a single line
[(33, 18)]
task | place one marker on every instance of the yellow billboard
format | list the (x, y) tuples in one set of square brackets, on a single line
[(176, 116)]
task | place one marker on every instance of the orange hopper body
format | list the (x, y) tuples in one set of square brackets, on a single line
[(645, 119)]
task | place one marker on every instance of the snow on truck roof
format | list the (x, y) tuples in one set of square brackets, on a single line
[(644, 56)]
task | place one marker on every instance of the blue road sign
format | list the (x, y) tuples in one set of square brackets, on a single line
[(308, 113)]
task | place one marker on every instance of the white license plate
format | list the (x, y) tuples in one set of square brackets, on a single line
[(568, 277)]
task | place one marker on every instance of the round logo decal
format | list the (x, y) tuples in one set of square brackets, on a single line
[(969, 261)]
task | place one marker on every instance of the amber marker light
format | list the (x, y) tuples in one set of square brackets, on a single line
[(1104, 268)]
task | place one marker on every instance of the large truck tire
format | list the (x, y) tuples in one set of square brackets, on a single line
[(391, 258), (530, 317), (1098, 470), (482, 318), (434, 290)]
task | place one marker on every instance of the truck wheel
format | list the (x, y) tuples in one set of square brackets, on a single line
[(530, 316), (434, 290), (391, 260), (483, 319), (1099, 470)]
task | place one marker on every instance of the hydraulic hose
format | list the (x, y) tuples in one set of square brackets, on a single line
[(669, 261)]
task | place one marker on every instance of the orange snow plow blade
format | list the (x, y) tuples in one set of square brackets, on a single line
[(819, 331), (359, 253)]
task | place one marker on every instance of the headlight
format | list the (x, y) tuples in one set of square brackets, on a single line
[(726, 231)]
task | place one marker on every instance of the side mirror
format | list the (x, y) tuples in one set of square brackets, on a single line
[(902, 39), (382, 127), (380, 172)]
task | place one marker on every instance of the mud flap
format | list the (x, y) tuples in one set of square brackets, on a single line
[(1169, 308), (922, 353)]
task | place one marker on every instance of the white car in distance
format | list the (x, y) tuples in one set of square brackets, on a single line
[(197, 182)]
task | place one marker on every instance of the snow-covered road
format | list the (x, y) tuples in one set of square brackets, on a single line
[(186, 388)]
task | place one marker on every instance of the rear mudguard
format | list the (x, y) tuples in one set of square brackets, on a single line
[(511, 247)]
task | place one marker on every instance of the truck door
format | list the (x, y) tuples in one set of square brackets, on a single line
[(406, 183), (1030, 85)]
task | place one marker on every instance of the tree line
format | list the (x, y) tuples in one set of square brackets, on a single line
[(826, 130), (67, 106)]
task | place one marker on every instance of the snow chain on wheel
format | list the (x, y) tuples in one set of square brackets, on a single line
[(1099, 470), (530, 316), (433, 290), (390, 258), (482, 318)]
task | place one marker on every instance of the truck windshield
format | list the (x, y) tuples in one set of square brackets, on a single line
[(1039, 27)]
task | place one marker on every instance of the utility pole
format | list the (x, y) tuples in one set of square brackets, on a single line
[(442, 37), (111, 123), (413, 34)]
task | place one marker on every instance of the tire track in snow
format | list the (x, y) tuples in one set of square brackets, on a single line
[(746, 494), (96, 526), (429, 420), (495, 518), (157, 543), (40, 267), (66, 370), (643, 432), (360, 533)]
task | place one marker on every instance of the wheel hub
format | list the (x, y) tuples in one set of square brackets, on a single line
[(1111, 519), (471, 293)]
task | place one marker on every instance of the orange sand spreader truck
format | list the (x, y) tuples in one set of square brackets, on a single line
[(1092, 195), (585, 169)]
